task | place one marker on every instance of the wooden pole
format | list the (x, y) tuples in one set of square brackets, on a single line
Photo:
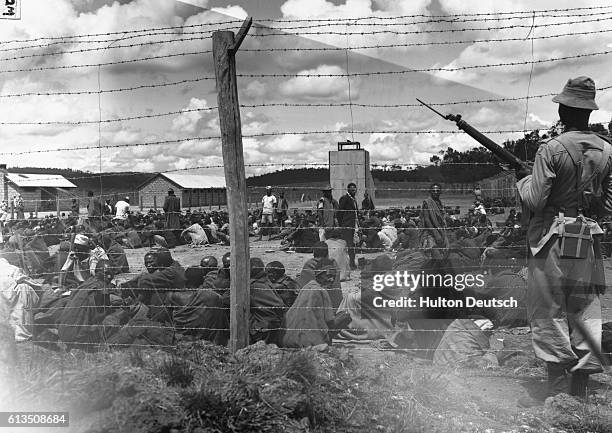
[(57, 204), (224, 49), (155, 203)]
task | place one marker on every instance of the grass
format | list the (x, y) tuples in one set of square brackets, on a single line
[(200, 387)]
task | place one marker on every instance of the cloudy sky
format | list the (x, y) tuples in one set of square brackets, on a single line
[(67, 64)]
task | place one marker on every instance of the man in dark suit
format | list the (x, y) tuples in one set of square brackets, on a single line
[(172, 209), (347, 219)]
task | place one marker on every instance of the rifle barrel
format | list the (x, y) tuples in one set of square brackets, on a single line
[(432, 109), (489, 144)]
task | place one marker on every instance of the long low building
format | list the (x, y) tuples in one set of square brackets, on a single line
[(194, 190), (40, 192)]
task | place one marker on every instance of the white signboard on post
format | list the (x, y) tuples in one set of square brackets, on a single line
[(10, 9)]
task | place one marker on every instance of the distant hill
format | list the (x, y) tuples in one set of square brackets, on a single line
[(442, 173)]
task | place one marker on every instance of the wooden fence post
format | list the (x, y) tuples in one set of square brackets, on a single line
[(224, 50)]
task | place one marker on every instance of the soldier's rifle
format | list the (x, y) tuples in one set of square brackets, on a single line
[(518, 163), (497, 150)]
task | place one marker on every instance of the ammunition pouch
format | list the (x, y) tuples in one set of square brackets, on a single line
[(576, 239)]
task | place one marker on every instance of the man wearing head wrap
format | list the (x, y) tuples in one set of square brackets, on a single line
[(81, 262), (267, 308), (571, 181), (88, 305), (285, 286), (311, 319)]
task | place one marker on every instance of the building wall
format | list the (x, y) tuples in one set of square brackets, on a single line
[(346, 166), (157, 188), (190, 198), (203, 197)]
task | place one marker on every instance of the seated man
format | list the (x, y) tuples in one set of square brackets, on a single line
[(366, 316), (153, 288), (338, 251), (311, 319), (387, 234), (304, 236), (194, 235), (218, 278), (17, 299), (320, 252), (116, 255), (267, 308), (88, 305), (466, 343), (285, 286), (201, 312), (408, 236), (81, 262)]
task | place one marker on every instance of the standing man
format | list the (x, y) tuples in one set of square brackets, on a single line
[(172, 209), (326, 212), (434, 238), (367, 204), (281, 210), (571, 181), (94, 211), (477, 193), (267, 214), (347, 218), (19, 207)]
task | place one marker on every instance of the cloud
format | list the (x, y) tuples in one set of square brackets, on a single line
[(232, 11), (545, 45), (188, 121), (326, 88)]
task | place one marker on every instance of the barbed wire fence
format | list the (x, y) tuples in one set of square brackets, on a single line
[(361, 26)]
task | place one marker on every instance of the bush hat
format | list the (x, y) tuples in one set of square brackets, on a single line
[(578, 93)]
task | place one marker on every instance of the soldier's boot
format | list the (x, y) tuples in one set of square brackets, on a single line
[(579, 383), (558, 382)]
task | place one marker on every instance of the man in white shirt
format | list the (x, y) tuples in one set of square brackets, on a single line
[(267, 214), (122, 209), (479, 209)]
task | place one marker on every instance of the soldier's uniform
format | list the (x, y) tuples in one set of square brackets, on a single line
[(571, 172)]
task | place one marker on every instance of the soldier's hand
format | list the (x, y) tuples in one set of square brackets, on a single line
[(524, 170)]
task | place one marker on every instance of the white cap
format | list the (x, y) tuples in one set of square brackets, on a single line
[(80, 239)]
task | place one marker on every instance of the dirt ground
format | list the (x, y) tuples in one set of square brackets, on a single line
[(487, 399)]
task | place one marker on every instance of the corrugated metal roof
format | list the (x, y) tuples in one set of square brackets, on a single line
[(40, 180), (196, 181)]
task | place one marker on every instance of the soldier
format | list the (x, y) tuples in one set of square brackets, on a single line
[(571, 181), (326, 212)]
